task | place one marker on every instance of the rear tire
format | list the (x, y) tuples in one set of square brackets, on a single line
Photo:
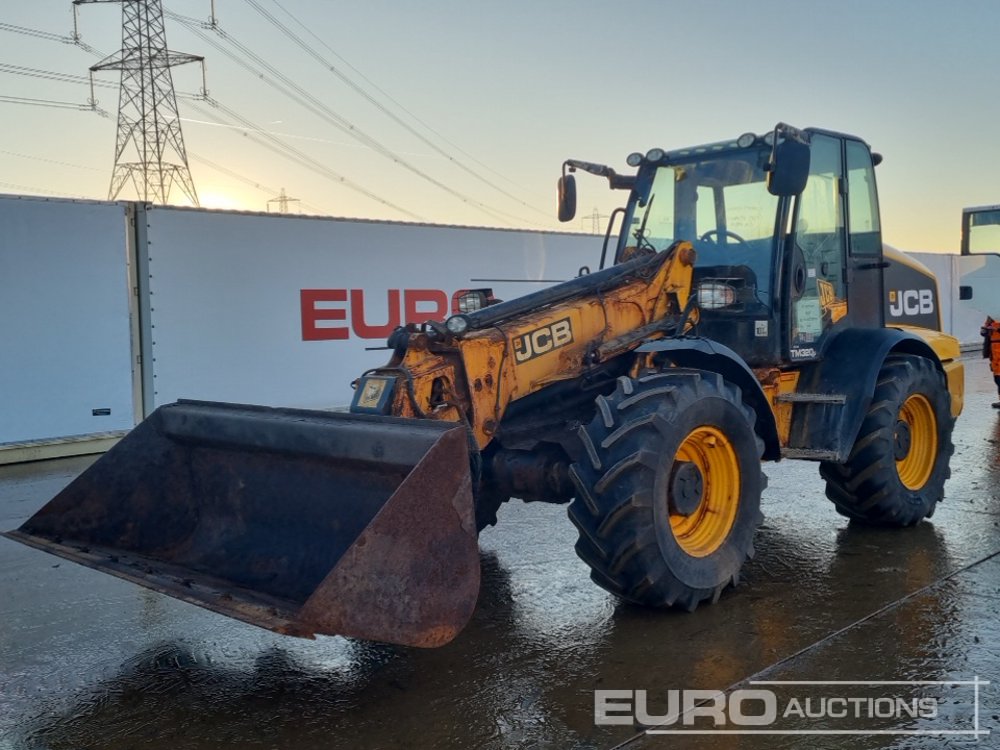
[(896, 471), (668, 493)]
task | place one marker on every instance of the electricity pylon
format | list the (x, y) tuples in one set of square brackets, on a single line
[(282, 200), (150, 147), (595, 221)]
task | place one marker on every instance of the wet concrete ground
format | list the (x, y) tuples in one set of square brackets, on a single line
[(89, 661)]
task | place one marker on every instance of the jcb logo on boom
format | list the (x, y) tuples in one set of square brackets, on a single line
[(543, 340), (910, 302)]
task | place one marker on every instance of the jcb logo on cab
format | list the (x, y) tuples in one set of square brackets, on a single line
[(911, 302), (542, 340)]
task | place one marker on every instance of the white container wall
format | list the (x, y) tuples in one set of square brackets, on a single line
[(279, 310), (65, 341)]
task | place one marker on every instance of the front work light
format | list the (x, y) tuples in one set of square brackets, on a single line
[(457, 324), (714, 295)]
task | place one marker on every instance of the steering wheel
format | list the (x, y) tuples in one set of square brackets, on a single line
[(707, 237)]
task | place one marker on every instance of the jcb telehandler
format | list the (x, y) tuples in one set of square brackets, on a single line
[(744, 317)]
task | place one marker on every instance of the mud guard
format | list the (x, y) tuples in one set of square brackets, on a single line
[(704, 354), (850, 366)]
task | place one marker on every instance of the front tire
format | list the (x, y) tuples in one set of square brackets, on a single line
[(668, 494), (895, 473)]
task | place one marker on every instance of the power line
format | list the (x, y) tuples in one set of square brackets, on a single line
[(381, 107), (38, 33), (50, 161), (289, 88), (235, 175), (212, 165), (248, 181), (279, 133), (381, 91), (244, 125), (44, 103), (51, 36), (324, 112), (51, 75), (275, 144), (29, 190)]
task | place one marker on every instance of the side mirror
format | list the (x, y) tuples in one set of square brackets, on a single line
[(789, 167), (567, 197)]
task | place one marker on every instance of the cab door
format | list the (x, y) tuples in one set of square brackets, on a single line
[(817, 288)]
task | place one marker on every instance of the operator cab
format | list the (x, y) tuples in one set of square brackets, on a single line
[(786, 229)]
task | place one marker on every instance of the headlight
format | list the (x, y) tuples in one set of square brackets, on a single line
[(457, 324), (634, 160), (655, 154), (714, 295)]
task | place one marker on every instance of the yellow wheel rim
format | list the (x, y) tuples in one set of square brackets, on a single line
[(915, 441), (703, 531)]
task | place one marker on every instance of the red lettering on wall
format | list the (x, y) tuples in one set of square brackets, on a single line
[(361, 327), (311, 314), (415, 298), (355, 310)]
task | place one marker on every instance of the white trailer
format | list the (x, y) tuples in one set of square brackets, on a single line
[(66, 361), (979, 263)]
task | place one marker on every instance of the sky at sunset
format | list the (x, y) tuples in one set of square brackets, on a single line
[(458, 112)]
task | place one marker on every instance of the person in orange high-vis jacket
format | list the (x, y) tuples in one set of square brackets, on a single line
[(991, 350)]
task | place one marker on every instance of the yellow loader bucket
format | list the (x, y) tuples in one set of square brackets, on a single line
[(298, 521)]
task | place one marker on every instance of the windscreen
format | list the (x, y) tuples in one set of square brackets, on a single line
[(720, 204)]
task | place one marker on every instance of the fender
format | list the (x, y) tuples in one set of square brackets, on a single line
[(705, 354), (850, 366)]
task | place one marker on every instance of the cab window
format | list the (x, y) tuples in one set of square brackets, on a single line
[(984, 232), (862, 201)]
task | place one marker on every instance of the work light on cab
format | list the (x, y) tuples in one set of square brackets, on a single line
[(714, 295)]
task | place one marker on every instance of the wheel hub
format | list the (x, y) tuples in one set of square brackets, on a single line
[(901, 439), (687, 488), (915, 441)]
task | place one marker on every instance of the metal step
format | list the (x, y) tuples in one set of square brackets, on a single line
[(812, 398), (810, 454)]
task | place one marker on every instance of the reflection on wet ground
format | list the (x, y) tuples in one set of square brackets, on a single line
[(88, 661)]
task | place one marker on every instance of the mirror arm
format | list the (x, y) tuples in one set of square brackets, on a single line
[(788, 131), (598, 169), (615, 180)]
